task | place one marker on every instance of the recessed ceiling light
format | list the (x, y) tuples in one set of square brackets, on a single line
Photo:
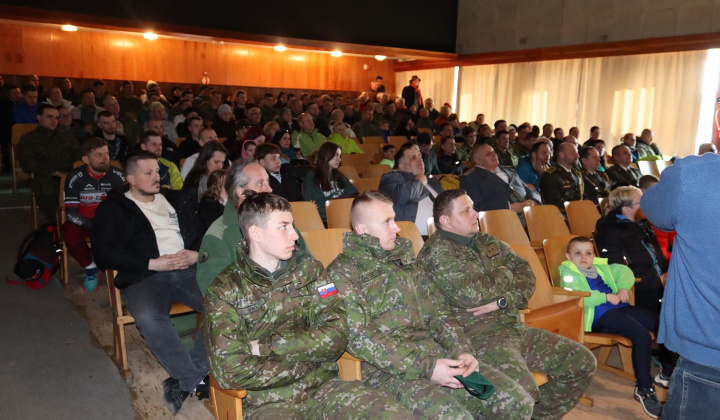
[(69, 28), (280, 48), (150, 35), (336, 53), (380, 57)]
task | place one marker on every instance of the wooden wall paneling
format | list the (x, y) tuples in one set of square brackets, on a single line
[(123, 59), (96, 54), (64, 61), (36, 41), (11, 49)]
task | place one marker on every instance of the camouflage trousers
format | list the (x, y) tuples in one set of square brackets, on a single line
[(518, 351), (336, 399)]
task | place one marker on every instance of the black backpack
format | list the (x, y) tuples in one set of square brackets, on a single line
[(38, 257)]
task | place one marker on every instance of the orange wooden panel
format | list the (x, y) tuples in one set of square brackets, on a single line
[(11, 48)]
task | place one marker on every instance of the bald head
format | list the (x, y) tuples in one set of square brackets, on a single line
[(362, 206), (571, 140)]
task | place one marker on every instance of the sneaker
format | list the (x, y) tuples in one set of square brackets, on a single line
[(649, 402), (202, 390), (662, 381), (91, 282), (173, 395)]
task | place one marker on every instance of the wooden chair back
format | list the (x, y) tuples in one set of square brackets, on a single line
[(306, 216), (397, 141), (582, 217), (325, 245), (357, 160), (375, 171), (368, 149), (662, 165), (648, 167), (18, 130), (373, 140), (544, 222), (503, 224), (431, 226), (555, 249), (425, 130), (349, 171), (337, 213), (563, 317), (180, 140), (365, 184), (409, 230)]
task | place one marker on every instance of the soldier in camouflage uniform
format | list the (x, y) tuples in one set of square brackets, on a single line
[(407, 345), (562, 182), (484, 283), (274, 325)]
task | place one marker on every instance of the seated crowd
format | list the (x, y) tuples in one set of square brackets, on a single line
[(191, 219)]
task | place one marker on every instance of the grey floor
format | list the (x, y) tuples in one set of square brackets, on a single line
[(51, 366)]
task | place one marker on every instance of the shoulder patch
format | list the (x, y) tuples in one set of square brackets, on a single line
[(327, 290), (551, 169), (469, 171), (203, 257)]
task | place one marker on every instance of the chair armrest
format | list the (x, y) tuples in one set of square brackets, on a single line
[(564, 292), (235, 393), (552, 309)]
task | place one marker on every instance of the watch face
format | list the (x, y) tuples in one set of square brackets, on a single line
[(502, 302)]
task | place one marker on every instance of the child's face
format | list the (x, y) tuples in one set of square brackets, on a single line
[(390, 153), (385, 126), (581, 254)]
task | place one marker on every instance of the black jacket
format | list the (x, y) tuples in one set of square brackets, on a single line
[(624, 241), (290, 187), (123, 239)]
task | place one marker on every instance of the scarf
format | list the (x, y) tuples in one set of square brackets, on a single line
[(590, 273), (420, 100)]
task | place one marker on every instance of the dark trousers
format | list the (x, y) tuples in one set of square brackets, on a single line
[(634, 323)]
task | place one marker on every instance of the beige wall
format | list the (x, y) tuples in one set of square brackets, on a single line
[(506, 25)]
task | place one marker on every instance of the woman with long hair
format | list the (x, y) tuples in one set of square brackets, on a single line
[(213, 156), (325, 182), (282, 139), (212, 202)]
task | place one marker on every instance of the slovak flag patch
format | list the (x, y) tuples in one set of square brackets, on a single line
[(327, 290)]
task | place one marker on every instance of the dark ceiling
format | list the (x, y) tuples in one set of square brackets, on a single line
[(419, 24)]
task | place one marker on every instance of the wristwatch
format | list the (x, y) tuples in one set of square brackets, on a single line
[(502, 302)]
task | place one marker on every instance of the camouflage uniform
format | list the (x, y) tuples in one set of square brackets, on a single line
[(396, 329), (470, 272), (300, 337)]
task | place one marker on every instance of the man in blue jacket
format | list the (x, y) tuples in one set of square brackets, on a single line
[(686, 200)]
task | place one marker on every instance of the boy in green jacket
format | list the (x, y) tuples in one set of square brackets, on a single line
[(608, 310)]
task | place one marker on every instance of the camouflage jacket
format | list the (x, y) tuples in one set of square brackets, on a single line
[(469, 273), (392, 312), (300, 334)]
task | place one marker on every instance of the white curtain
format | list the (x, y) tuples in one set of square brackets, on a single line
[(618, 94), (436, 84)]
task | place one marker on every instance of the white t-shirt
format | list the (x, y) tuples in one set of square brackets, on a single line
[(164, 220), (425, 211)]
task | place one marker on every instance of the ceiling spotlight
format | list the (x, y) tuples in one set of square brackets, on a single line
[(380, 57), (336, 53), (150, 35), (69, 28), (280, 48)]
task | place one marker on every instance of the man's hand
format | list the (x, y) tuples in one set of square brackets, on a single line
[(623, 295), (611, 298), (422, 178), (470, 362), (255, 347), (445, 371), (178, 261), (481, 310), (187, 257)]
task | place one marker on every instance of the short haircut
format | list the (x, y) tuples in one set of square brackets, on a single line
[(423, 139), (616, 148), (42, 107), (98, 82), (622, 197), (585, 151), (28, 87), (131, 164), (84, 91), (593, 128), (191, 119), (467, 130), (501, 133), (145, 137), (365, 198), (577, 240), (446, 139), (337, 127), (536, 146), (236, 178), (256, 208), (400, 155), (384, 149), (104, 114), (265, 149), (531, 135), (91, 144), (442, 126), (443, 203), (647, 181), (498, 122)]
